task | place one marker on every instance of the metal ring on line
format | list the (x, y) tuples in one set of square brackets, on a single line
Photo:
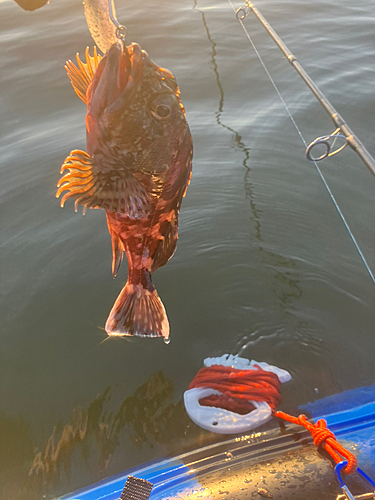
[(315, 143), (324, 140), (121, 32), (242, 12)]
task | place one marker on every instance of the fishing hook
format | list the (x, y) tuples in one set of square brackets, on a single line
[(325, 140), (121, 30)]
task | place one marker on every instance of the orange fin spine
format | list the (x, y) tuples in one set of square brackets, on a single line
[(116, 190), (79, 179), (77, 160), (76, 174), (79, 200), (77, 80), (72, 192), (82, 75), (81, 154), (70, 184)]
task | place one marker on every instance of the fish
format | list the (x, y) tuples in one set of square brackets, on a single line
[(137, 167)]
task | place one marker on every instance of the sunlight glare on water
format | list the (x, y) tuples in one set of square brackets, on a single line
[(264, 266)]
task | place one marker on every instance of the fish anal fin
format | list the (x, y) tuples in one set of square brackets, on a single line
[(168, 244), (81, 75), (93, 187), (117, 253)]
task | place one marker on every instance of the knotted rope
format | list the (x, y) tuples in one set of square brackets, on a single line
[(239, 387), (324, 438)]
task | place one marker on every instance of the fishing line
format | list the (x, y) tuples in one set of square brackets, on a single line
[(305, 144)]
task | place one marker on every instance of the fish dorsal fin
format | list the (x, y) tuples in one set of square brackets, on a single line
[(116, 190), (82, 76)]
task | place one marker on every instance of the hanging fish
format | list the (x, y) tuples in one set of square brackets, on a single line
[(137, 166)]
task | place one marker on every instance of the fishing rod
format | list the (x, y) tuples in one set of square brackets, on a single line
[(243, 12), (342, 128)]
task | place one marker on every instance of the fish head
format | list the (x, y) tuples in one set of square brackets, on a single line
[(135, 115)]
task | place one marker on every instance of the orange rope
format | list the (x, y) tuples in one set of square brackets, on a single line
[(239, 387), (323, 437)]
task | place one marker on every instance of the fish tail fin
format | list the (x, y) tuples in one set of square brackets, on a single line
[(138, 310)]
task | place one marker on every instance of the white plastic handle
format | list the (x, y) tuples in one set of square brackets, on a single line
[(223, 421)]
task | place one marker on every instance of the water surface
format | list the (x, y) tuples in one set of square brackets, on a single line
[(264, 266)]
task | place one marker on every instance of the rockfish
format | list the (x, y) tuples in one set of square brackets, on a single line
[(137, 168)]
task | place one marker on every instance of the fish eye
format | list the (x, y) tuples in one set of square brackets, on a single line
[(163, 106), (163, 111)]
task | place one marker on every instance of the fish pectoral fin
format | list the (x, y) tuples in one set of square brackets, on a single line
[(168, 244), (116, 190), (117, 254), (81, 76), (79, 181)]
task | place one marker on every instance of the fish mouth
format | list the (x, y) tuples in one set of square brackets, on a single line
[(116, 79), (118, 67), (124, 70)]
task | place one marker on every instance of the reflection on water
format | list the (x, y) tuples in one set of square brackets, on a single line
[(284, 282), (237, 138), (150, 415), (286, 278), (264, 269), (16, 448)]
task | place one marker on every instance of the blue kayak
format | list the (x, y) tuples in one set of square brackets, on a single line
[(280, 463)]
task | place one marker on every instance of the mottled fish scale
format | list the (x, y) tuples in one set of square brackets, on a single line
[(137, 167)]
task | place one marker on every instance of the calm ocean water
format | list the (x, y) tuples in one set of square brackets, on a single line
[(264, 266)]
